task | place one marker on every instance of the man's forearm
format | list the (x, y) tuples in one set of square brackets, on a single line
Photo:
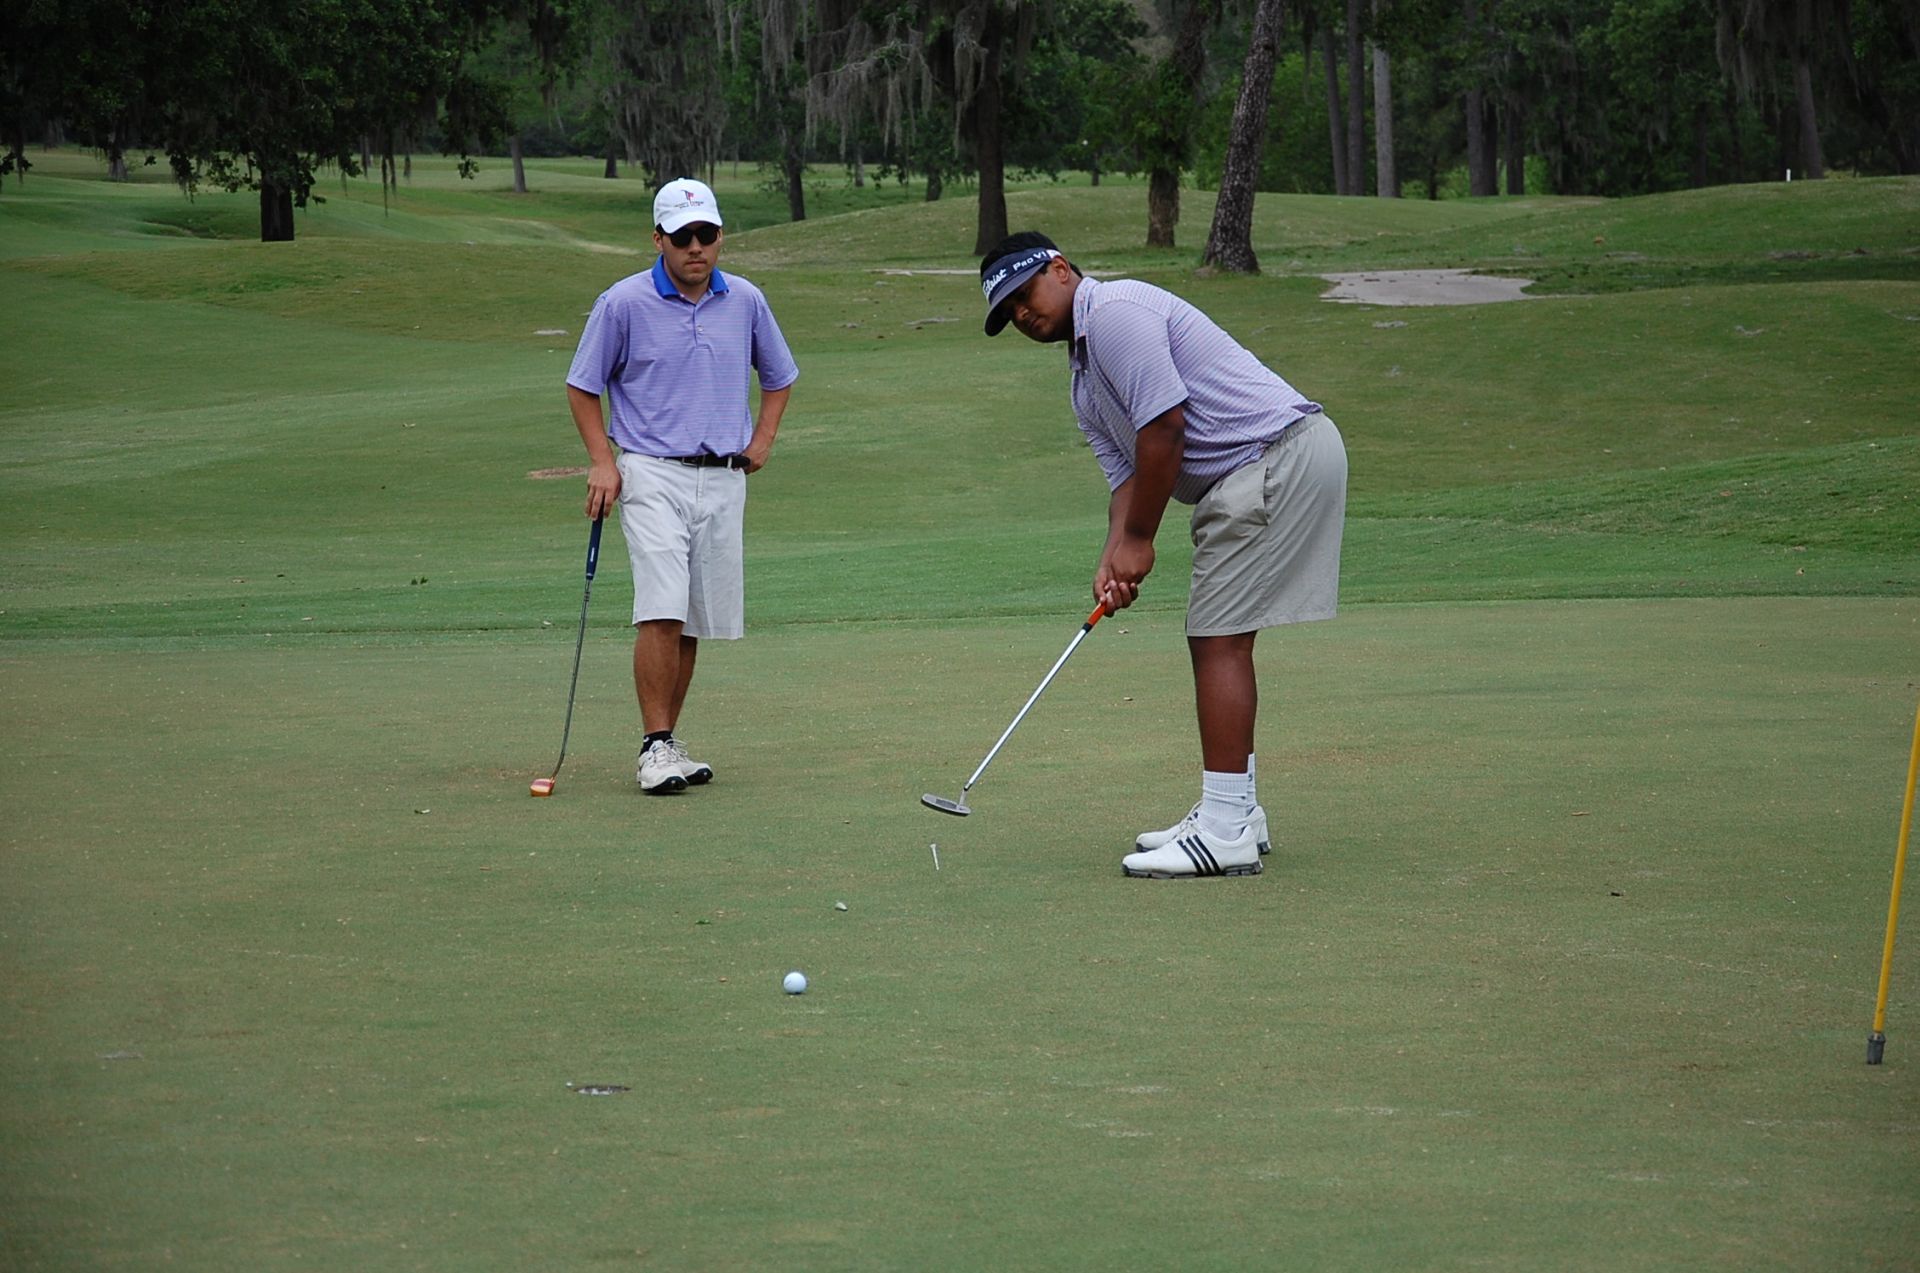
[(1117, 506), (603, 474), (589, 418), (772, 406)]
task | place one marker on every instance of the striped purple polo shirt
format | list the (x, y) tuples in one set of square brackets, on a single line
[(675, 372), (1138, 351)]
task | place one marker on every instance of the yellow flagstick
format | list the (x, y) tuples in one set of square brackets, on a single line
[(1877, 1041)]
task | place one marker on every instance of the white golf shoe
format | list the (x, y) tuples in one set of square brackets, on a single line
[(1193, 854), (692, 770), (658, 770), (1148, 841)]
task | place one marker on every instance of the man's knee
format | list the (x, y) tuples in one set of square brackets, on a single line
[(1217, 649)]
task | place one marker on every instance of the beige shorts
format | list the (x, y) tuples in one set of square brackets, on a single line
[(683, 527), (1266, 538)]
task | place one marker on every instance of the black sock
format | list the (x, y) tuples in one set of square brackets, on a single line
[(656, 736)]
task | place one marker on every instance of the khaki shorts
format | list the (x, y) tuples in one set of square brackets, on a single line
[(683, 527), (1266, 538)]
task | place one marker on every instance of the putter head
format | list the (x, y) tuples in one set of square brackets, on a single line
[(541, 787), (944, 805)]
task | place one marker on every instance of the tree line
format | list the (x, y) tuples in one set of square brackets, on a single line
[(1384, 98)]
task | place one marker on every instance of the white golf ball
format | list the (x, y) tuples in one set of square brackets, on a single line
[(795, 982)]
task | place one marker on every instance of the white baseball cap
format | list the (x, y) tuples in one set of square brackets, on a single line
[(684, 201)]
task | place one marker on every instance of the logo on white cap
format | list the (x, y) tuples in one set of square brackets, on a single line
[(682, 202)]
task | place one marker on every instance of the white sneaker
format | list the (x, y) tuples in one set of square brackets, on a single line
[(658, 771), (1194, 855), (1148, 841), (692, 770)]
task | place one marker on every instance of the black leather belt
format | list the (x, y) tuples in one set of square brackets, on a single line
[(709, 461)]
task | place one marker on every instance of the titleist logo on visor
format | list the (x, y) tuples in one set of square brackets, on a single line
[(1008, 266)]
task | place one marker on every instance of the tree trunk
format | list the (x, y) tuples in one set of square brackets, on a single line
[(859, 166), (1701, 148), (1906, 148), (1785, 156), (1180, 89), (1736, 149), (936, 186), (1480, 150), (519, 166), (1336, 130), (1513, 135), (613, 160), (794, 165), (1356, 102), (116, 161), (1230, 241), (1163, 207), (988, 152), (276, 213), (1386, 177), (1812, 161)]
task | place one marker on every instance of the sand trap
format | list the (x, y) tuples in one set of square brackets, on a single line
[(1424, 287), (1382, 287)]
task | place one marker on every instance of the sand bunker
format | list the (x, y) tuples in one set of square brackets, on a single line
[(1424, 287)]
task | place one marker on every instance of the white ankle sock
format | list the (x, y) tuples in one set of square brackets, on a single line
[(1253, 791), (1224, 803)]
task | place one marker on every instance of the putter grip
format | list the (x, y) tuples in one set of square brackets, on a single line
[(593, 546), (1099, 612)]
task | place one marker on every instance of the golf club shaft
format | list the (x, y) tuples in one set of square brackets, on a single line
[(1099, 613), (593, 562)]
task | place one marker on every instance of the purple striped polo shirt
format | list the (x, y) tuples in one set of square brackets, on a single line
[(676, 372), (1138, 351)]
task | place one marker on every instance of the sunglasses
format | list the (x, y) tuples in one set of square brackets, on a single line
[(686, 234)]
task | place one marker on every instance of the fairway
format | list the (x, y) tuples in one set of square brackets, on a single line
[(1584, 808)]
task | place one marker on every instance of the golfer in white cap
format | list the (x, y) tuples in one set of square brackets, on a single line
[(673, 350)]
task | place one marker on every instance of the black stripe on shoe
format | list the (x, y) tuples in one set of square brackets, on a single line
[(1203, 860)]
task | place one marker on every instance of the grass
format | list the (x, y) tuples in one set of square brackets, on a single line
[(1585, 804), (1584, 986)]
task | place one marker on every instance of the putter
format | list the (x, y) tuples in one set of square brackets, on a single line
[(958, 808), (544, 786)]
